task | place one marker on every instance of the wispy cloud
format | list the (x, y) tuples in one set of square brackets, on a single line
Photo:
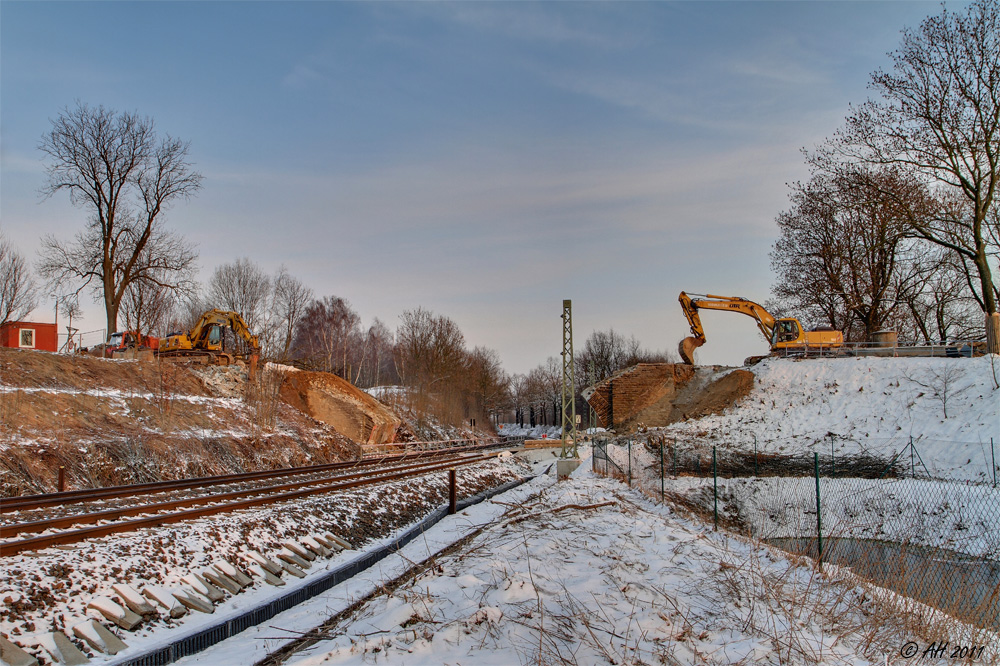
[(541, 23)]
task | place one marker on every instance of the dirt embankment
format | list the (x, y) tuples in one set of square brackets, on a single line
[(658, 394), (112, 422), (338, 403)]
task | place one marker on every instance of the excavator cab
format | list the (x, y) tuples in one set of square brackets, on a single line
[(786, 330), (214, 337)]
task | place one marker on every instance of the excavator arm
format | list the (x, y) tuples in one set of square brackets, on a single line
[(765, 322), (222, 318), (197, 340)]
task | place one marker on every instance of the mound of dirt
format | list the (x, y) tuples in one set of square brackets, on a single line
[(658, 394), (338, 403), (113, 422)]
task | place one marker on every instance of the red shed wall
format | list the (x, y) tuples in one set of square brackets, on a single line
[(45, 335)]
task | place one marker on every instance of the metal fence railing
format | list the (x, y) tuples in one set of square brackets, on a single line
[(889, 513)]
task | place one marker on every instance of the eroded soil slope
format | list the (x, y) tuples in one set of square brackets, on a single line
[(112, 422)]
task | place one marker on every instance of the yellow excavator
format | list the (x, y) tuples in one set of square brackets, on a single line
[(784, 334), (205, 340)]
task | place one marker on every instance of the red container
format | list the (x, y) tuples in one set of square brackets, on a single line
[(29, 335)]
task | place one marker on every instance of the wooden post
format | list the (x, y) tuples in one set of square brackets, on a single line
[(452, 493)]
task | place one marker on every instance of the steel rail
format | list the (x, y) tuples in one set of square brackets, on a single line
[(27, 502), (156, 507), (34, 543)]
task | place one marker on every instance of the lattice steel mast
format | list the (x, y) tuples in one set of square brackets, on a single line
[(568, 385)]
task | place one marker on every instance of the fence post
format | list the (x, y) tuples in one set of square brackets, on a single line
[(452, 493), (911, 457), (755, 473), (663, 471), (819, 520), (994, 454), (833, 460), (675, 457), (629, 463), (715, 492)]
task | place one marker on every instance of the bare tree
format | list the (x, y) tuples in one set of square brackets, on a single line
[(146, 308), (18, 293), (939, 117), (115, 167), (243, 287), (377, 366), (487, 381), (842, 258), (607, 352), (327, 335), (429, 349), (289, 300)]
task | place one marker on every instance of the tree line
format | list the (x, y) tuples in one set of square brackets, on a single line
[(116, 167), (898, 225)]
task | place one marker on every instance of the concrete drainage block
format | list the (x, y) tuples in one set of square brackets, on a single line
[(565, 467)]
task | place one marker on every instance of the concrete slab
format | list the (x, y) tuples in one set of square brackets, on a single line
[(268, 577), (135, 601), (266, 563), (98, 637), (227, 568), (12, 654), (61, 649), (123, 617), (203, 587), (565, 467), (294, 570), (329, 543), (192, 600), (290, 557), (540, 455), (165, 599), (315, 546), (299, 550), (220, 579), (337, 540)]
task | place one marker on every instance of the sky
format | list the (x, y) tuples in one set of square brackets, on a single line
[(481, 160)]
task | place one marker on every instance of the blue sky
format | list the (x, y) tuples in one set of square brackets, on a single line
[(483, 160)]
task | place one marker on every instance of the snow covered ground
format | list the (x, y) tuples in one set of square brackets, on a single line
[(586, 571), (950, 407)]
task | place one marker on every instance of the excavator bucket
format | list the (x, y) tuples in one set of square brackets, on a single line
[(686, 348)]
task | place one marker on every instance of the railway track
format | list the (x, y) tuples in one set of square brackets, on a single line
[(74, 497), (216, 497)]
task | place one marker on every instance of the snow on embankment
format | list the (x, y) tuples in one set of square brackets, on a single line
[(949, 406)]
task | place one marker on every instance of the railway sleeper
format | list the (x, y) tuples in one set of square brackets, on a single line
[(224, 567), (165, 599), (60, 648), (97, 636), (133, 600), (269, 578), (203, 587), (299, 550), (286, 555), (254, 557), (12, 654), (115, 613), (315, 546), (220, 579), (292, 569), (193, 601)]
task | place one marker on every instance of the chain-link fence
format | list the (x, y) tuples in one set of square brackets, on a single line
[(922, 519)]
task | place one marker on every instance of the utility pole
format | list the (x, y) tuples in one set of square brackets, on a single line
[(568, 384)]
